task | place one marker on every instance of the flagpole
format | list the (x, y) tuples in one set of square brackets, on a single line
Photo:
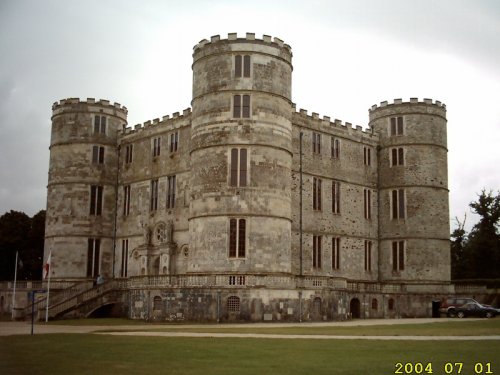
[(14, 292), (48, 265)]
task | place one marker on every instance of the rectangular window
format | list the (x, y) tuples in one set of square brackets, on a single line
[(396, 126), (242, 64), (367, 203), (174, 141), (126, 200), (398, 255), (96, 200), (397, 156), (237, 238), (367, 156), (335, 253), (335, 148), (335, 197), (368, 255), (398, 204), (316, 194), (238, 167), (99, 124), (93, 257), (97, 154), (156, 146), (128, 153), (124, 258), (171, 192), (317, 252), (316, 143), (153, 201), (241, 110)]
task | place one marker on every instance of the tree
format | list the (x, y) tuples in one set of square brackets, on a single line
[(25, 235), (477, 255)]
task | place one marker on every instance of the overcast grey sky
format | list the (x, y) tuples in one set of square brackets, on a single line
[(348, 55)]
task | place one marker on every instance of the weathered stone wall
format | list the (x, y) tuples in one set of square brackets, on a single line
[(423, 177), (265, 200), (71, 174), (353, 176)]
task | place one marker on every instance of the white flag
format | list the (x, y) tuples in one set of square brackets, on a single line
[(46, 267)]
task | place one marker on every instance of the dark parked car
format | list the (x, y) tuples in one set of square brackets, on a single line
[(449, 305), (475, 309)]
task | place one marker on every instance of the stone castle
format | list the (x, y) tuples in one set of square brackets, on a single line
[(243, 208)]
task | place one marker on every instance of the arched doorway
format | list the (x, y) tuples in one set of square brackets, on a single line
[(316, 310), (355, 308)]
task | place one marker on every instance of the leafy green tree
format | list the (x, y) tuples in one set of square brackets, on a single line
[(25, 235), (458, 245)]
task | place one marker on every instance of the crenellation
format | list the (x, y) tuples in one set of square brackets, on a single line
[(250, 36), (214, 38), (267, 38), (156, 121), (90, 101), (315, 115), (232, 36), (412, 101)]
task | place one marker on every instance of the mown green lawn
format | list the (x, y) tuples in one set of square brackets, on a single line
[(101, 354)]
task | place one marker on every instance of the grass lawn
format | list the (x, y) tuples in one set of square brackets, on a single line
[(97, 354)]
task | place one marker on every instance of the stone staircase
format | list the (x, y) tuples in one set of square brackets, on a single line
[(81, 298)]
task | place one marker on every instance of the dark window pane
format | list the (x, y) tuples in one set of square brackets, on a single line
[(93, 194), (394, 256), (400, 156), (234, 167), (237, 106), (246, 66), (401, 204), (401, 255), (246, 106), (97, 124), (393, 125), (232, 238), (99, 200), (97, 251), (101, 155), (241, 238), (400, 126), (243, 167), (90, 256), (237, 66), (394, 160), (394, 204)]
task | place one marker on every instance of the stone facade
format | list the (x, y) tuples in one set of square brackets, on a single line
[(243, 207)]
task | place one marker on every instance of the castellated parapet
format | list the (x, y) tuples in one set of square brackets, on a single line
[(245, 207)]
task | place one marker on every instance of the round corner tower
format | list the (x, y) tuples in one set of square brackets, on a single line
[(81, 191), (241, 156), (413, 191)]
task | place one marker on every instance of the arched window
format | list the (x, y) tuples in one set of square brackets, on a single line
[(391, 304), (233, 304), (374, 304)]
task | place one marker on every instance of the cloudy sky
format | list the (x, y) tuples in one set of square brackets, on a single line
[(348, 55)]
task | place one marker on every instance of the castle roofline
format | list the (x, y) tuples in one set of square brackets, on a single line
[(249, 37)]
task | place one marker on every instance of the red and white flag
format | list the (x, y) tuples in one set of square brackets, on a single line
[(46, 266)]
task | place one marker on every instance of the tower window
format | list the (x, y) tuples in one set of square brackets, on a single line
[(93, 257), (398, 255), (241, 106), (335, 148), (396, 126), (367, 203), (126, 200), (171, 192), (316, 194), (317, 251), (99, 124), (335, 197), (367, 156), (242, 65), (97, 154), (153, 199), (239, 170), (335, 253), (156, 146), (316, 143), (174, 141), (397, 156), (368, 255), (398, 204), (128, 153), (124, 258), (96, 200), (237, 238)]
